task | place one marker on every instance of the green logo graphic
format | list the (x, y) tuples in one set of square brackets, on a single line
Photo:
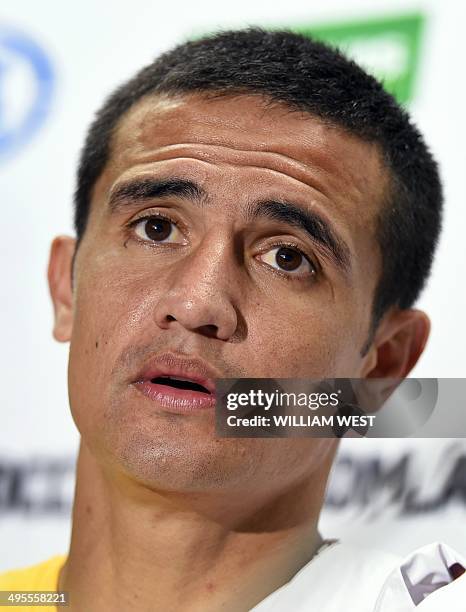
[(386, 47)]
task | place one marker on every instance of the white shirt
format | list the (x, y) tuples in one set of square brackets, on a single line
[(346, 578)]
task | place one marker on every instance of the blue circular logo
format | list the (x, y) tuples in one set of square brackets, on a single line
[(26, 87)]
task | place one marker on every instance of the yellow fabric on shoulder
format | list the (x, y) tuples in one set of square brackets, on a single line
[(40, 577)]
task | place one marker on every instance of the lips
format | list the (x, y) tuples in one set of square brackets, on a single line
[(178, 384)]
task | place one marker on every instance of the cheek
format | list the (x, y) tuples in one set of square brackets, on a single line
[(112, 311), (309, 341), (114, 299)]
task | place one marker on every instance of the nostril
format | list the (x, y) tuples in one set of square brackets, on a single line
[(170, 318), (209, 330)]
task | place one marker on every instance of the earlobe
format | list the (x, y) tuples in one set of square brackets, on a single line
[(60, 285), (399, 342)]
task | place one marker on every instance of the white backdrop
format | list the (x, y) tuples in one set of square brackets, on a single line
[(396, 493)]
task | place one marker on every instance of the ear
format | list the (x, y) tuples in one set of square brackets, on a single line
[(60, 285), (398, 343)]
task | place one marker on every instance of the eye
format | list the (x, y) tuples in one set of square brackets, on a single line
[(157, 229), (289, 259)]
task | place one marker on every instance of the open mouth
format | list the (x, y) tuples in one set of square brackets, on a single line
[(177, 394), (179, 383)]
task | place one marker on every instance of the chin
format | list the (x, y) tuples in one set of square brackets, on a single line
[(179, 463)]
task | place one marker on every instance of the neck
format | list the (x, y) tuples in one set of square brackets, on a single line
[(139, 549)]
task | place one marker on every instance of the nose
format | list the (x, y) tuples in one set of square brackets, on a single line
[(200, 292)]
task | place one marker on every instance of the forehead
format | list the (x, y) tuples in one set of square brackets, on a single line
[(248, 122), (247, 130)]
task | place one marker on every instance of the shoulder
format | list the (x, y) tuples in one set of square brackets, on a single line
[(39, 577)]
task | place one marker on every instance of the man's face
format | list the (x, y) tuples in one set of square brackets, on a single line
[(232, 274)]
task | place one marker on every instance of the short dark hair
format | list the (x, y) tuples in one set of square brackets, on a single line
[(309, 76)]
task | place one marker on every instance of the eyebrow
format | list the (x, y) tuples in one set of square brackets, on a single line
[(313, 224), (146, 189)]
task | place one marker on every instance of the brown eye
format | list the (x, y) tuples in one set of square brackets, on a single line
[(158, 229), (289, 259)]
